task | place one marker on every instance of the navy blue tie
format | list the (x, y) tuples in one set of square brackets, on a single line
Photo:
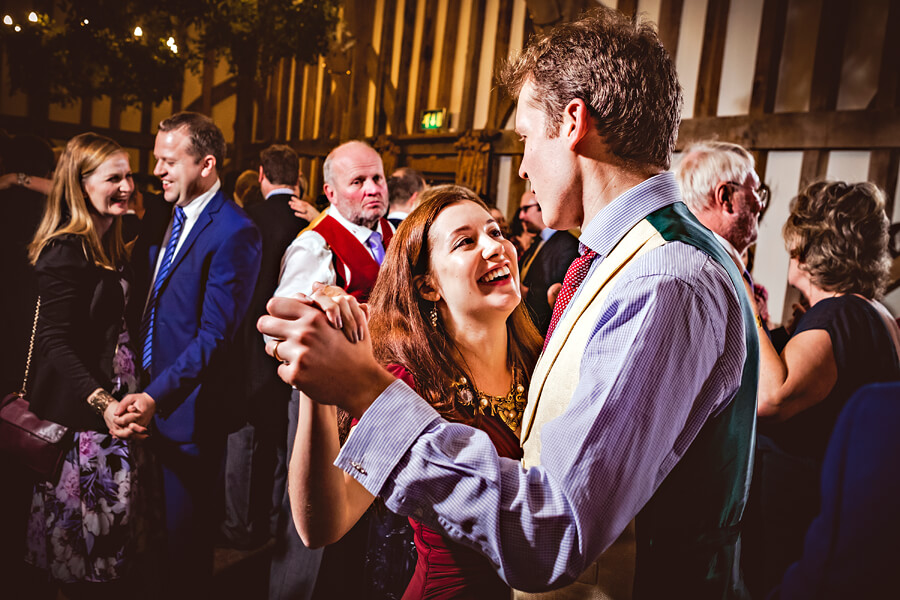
[(164, 269)]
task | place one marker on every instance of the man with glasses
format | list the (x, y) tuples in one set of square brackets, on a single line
[(720, 186), (543, 266)]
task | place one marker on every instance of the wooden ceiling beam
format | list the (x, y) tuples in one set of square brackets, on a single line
[(473, 59), (670, 12), (768, 56), (426, 58), (711, 58)]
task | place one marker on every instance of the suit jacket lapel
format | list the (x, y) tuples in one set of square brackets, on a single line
[(529, 257), (154, 256), (203, 221), (154, 228)]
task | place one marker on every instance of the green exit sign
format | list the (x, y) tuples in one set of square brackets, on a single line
[(433, 119)]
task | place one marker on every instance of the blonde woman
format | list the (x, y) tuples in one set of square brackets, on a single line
[(78, 527)]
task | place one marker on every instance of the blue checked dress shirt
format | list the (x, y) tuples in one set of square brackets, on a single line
[(665, 354), (164, 269)]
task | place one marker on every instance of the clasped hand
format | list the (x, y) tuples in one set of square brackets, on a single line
[(323, 343), (131, 416)]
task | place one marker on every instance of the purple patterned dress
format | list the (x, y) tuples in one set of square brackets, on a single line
[(82, 528)]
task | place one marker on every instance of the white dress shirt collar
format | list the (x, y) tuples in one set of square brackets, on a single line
[(191, 213), (359, 232), (732, 252), (281, 190), (397, 214), (196, 206)]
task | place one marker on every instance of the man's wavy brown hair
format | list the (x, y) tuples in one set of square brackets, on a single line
[(622, 72), (400, 325), (839, 233)]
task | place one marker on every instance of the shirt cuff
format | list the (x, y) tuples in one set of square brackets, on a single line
[(384, 434)]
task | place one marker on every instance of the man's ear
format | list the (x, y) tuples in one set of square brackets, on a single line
[(577, 122), (261, 174), (208, 165), (329, 192), (723, 194), (425, 288)]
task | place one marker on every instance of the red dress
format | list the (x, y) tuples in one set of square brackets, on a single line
[(445, 569)]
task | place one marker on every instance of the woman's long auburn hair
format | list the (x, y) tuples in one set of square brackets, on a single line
[(400, 324), (68, 210)]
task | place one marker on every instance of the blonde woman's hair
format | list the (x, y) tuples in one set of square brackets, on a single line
[(68, 210)]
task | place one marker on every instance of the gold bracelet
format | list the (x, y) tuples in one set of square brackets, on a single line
[(759, 322), (100, 400)]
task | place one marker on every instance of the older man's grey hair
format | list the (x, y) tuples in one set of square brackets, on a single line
[(705, 164)]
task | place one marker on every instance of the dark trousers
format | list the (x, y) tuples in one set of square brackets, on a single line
[(295, 567), (255, 478), (189, 473)]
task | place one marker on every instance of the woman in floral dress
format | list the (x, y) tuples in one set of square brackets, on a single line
[(79, 529)]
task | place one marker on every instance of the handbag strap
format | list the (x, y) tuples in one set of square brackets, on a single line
[(37, 311)]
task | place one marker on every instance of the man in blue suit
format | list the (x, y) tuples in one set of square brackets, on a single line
[(195, 268)]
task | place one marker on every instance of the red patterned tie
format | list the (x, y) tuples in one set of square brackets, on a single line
[(578, 270)]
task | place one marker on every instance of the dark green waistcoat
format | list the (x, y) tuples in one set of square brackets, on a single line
[(688, 534)]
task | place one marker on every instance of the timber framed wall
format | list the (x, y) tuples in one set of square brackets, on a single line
[(810, 86)]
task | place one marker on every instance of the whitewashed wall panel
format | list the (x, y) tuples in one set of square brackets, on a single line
[(690, 44), (739, 61), (783, 178), (848, 165)]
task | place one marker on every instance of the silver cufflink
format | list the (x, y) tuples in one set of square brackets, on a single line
[(358, 467)]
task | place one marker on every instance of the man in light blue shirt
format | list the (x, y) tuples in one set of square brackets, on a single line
[(644, 411)]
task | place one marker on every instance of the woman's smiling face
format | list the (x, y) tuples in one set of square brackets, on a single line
[(109, 186), (473, 267)]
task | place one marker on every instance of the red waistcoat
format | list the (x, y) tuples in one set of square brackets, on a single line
[(348, 251)]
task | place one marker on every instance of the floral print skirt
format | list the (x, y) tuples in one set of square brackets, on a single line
[(80, 528)]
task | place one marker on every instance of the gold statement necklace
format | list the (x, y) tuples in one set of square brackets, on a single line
[(508, 408)]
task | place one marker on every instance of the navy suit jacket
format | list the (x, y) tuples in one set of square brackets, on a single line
[(549, 267), (260, 394), (198, 312), (851, 548)]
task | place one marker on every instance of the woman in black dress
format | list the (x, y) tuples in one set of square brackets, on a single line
[(79, 527), (837, 236)]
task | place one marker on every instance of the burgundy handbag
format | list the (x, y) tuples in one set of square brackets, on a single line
[(24, 438)]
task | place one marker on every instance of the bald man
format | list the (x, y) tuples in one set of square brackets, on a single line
[(345, 247)]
